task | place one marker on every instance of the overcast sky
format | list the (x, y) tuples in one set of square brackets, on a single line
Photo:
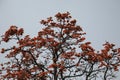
[(100, 19)]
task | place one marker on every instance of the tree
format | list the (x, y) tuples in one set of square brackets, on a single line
[(58, 52)]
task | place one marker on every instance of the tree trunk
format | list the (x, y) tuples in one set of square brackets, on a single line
[(55, 73)]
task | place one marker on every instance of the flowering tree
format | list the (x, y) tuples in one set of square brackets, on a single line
[(58, 52)]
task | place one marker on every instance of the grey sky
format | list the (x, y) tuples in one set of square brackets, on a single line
[(100, 19)]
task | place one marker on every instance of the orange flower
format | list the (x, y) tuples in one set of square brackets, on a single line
[(87, 43), (6, 39), (100, 58), (20, 31), (62, 62), (73, 21), (58, 15), (118, 50), (52, 65), (77, 64), (2, 50), (78, 55), (82, 39), (62, 67), (75, 35), (1, 64), (42, 74), (65, 31), (12, 30), (102, 64), (115, 68)]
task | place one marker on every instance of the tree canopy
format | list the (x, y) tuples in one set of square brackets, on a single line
[(58, 52)]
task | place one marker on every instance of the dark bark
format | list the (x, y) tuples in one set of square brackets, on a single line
[(105, 74)]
